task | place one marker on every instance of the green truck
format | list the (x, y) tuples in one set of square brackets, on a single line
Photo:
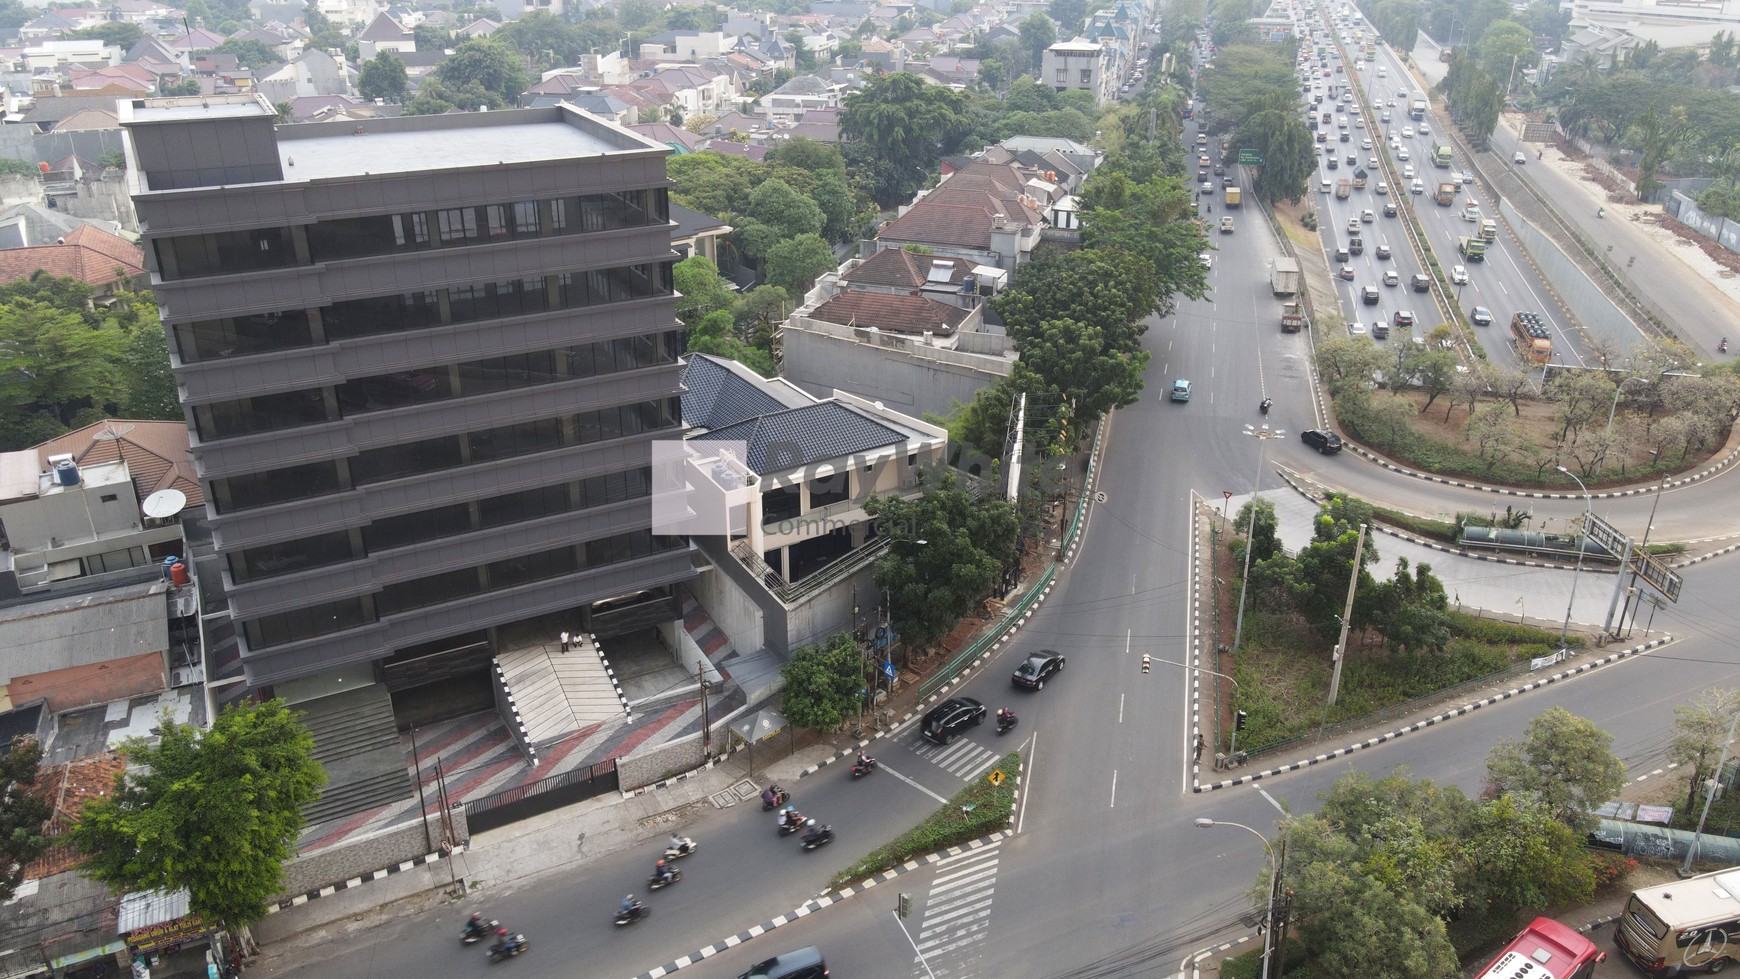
[(1472, 249), (1441, 156)]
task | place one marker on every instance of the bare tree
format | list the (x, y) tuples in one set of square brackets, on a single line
[(1580, 397), (1511, 387), (1700, 729)]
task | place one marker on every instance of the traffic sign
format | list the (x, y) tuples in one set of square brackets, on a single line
[(888, 669), (1250, 158), (996, 777)]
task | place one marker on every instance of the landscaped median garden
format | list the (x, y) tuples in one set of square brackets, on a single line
[(980, 809)]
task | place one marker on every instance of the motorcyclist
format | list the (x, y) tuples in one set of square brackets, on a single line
[(865, 761), (1600, 211), (678, 844), (789, 816), (475, 925), (663, 872), (1005, 717), (629, 905), (1723, 346), (771, 794), (503, 941), (1265, 406)]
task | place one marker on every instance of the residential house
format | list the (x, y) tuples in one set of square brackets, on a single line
[(1078, 66), (88, 120), (30, 224), (131, 77), (48, 111), (690, 46), (199, 39), (948, 70), (727, 123), (349, 11), (882, 55), (983, 213), (515, 9), (821, 125), (142, 11), (47, 27), (95, 257), (481, 27), (691, 89), (680, 140), (798, 564), (1069, 160), (313, 73), (788, 102), (696, 233), (757, 24), (384, 34), (285, 46), (87, 52)]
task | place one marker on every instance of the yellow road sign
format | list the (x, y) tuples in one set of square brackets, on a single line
[(996, 776)]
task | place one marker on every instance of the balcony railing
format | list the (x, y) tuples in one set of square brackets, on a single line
[(792, 593)]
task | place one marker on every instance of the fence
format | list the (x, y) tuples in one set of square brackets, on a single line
[(523, 801)]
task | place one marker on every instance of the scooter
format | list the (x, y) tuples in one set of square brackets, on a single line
[(1265, 405), (632, 915), (1722, 347), (1006, 722), (818, 835), (509, 947), (657, 880), (476, 931), (780, 798), (793, 824), (863, 768), (686, 847)]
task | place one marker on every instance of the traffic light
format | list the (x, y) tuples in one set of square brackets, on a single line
[(903, 906), (1239, 720)]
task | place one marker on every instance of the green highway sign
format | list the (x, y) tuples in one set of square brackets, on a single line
[(1250, 158)]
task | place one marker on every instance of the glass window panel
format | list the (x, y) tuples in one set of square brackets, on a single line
[(456, 224), (526, 218)]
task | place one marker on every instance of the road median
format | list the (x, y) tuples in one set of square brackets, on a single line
[(982, 808)]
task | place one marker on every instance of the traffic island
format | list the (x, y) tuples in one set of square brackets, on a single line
[(982, 808)]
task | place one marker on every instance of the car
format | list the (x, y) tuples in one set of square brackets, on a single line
[(1382, 188), (804, 963), (1372, 164), (1389, 209), (1203, 160), (1228, 181), (1383, 250), (1346, 272), (1207, 187), (1341, 253), (1331, 163), (1403, 317), (1408, 171), (1420, 282), (1468, 176), (1039, 667), (1401, 153), (1353, 226), (1322, 137), (1323, 441), (1416, 186), (1408, 132), (1392, 103), (1401, 94), (1384, 116), (1226, 225), (1365, 144), (1425, 129), (1458, 275), (1359, 123), (1345, 138), (1355, 328), (1208, 260), (1519, 158), (1219, 169), (1181, 390), (1392, 277), (1366, 216), (1369, 295), (1380, 329), (1202, 139), (1480, 316), (1352, 161), (947, 720)]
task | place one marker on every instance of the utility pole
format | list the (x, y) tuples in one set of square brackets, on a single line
[(1346, 619), (1710, 797), (706, 724)]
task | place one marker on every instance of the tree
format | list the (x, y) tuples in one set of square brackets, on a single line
[(485, 64), (968, 543), (899, 126), (121, 34), (822, 682), (795, 264), (151, 391), (1563, 760), (53, 359), (216, 812), (778, 214), (1700, 732), (1079, 362), (1069, 14), (1263, 539), (383, 78), (249, 54), (1037, 34), (703, 289), (1287, 150), (24, 813), (712, 336)]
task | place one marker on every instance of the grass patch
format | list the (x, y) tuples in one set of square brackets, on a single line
[(946, 826), (1438, 530)]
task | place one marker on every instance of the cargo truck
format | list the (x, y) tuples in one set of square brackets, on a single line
[(1284, 277), (1234, 197), (1488, 229), (1441, 156), (1343, 189), (1292, 317), (1417, 109), (1359, 178), (1472, 249), (1446, 194), (1534, 343)]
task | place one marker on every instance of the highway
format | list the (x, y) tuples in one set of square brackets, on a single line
[(1105, 875)]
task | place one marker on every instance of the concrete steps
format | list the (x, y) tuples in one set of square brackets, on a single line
[(557, 693)]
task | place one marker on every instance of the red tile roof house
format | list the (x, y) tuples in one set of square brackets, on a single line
[(981, 213), (96, 258)]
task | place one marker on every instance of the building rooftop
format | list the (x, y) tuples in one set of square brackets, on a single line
[(799, 437), (380, 150), (57, 630)]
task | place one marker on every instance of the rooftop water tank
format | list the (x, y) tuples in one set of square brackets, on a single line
[(66, 472)]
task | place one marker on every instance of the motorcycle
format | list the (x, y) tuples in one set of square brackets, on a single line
[(476, 930), (657, 880), (863, 768), (793, 824), (779, 798), (683, 849), (1722, 347), (1265, 405), (509, 947), (1005, 722), (632, 915), (817, 836)]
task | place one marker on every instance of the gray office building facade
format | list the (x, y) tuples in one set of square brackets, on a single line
[(422, 361)]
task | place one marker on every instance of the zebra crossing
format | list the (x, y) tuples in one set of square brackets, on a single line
[(964, 759), (957, 913)]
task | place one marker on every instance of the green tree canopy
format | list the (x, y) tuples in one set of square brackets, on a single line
[(24, 813), (1563, 760), (713, 336), (216, 812), (249, 54), (121, 34), (822, 683), (703, 289), (383, 77), (1700, 732), (968, 542), (485, 64), (899, 127), (796, 263)]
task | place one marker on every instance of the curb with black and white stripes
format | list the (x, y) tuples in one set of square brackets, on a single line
[(331, 889), (521, 737), (627, 711), (1462, 711), (835, 897), (1715, 468)]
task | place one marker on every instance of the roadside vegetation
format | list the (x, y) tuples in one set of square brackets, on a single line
[(1405, 641), (977, 810)]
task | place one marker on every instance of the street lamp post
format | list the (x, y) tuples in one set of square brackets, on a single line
[(1580, 542), (1262, 434), (1617, 390), (1232, 749), (1274, 880)]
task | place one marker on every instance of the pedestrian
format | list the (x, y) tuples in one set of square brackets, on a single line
[(1538, 153), (1199, 747), (564, 641)]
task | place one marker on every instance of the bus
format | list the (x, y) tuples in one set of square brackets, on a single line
[(1690, 925), (1546, 950)]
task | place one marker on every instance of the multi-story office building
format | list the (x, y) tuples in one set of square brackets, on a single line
[(422, 360)]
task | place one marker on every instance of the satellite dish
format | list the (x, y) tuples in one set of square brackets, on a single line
[(164, 503)]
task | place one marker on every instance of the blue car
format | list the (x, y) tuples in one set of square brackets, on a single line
[(1181, 390)]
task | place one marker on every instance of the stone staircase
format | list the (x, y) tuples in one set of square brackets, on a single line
[(557, 693), (357, 741)]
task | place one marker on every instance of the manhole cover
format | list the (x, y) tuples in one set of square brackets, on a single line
[(745, 790), (724, 800)]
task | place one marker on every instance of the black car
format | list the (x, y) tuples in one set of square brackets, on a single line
[(805, 963), (1325, 442), (1389, 210), (946, 720), (1369, 295), (1038, 668)]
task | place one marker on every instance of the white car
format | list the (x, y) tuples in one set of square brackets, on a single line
[(1383, 188), (1458, 275), (1408, 172), (1356, 328), (1208, 260), (1401, 153), (1366, 216), (1425, 129), (1408, 131), (1365, 144)]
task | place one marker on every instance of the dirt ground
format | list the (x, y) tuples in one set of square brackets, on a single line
[(1536, 421)]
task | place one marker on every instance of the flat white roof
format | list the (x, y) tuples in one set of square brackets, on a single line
[(384, 152)]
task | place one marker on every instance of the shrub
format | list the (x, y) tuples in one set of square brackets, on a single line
[(945, 827)]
